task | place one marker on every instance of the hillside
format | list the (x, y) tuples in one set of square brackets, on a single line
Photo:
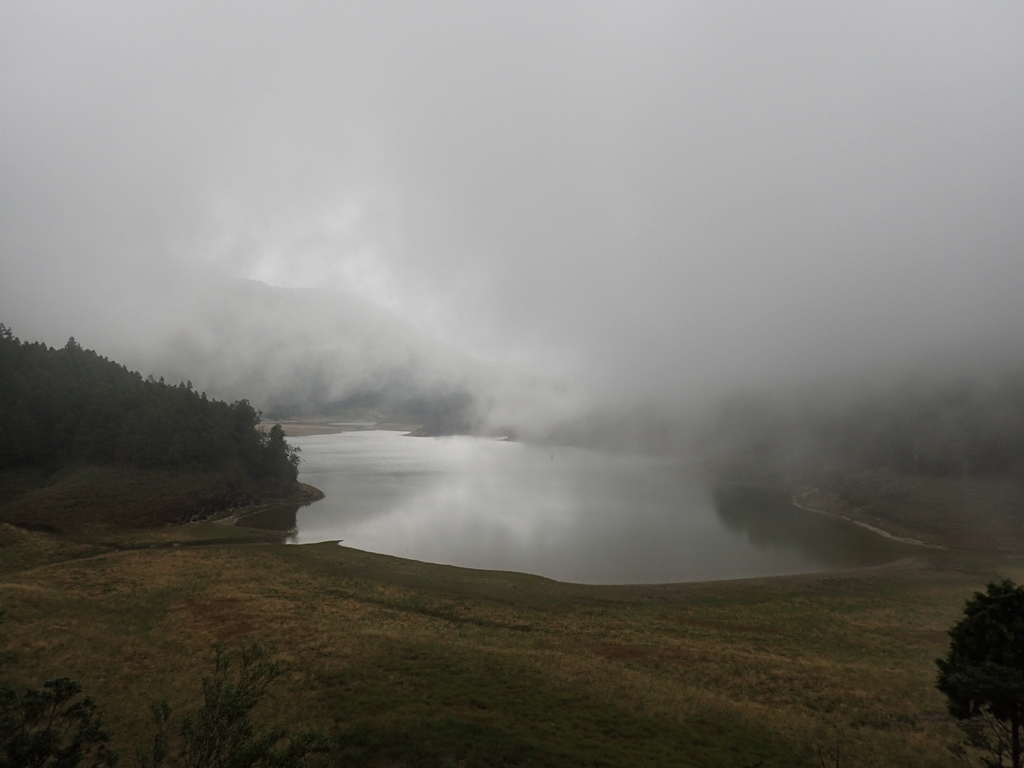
[(85, 440), (939, 458)]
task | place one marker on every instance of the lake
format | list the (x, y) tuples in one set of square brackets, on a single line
[(565, 513)]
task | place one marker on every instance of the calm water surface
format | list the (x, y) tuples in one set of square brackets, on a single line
[(568, 514)]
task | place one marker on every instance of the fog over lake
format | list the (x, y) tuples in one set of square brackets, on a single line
[(611, 204), (569, 514)]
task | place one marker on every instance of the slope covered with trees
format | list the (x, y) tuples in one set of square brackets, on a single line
[(70, 409), (72, 405)]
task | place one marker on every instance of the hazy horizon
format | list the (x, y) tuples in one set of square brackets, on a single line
[(651, 202)]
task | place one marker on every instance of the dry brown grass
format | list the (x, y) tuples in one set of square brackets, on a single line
[(753, 670)]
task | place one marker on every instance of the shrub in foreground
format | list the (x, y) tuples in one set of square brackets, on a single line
[(221, 734), (55, 727), (982, 675)]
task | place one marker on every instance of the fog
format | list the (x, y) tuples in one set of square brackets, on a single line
[(559, 204)]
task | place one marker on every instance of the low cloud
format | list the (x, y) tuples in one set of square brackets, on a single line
[(650, 202)]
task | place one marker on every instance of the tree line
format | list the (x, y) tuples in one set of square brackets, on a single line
[(70, 405), (943, 428)]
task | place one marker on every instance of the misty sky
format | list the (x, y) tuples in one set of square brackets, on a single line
[(660, 198)]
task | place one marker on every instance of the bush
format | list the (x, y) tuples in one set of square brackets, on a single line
[(982, 675), (221, 734), (51, 727)]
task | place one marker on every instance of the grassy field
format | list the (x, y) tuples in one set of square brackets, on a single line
[(410, 664)]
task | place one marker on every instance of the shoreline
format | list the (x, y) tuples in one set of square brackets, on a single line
[(353, 622), (307, 495), (335, 427), (837, 515), (868, 526)]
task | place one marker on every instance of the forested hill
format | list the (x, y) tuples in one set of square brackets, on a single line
[(941, 428), (71, 406)]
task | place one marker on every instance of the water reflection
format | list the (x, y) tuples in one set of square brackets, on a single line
[(278, 519), (768, 519), (568, 514)]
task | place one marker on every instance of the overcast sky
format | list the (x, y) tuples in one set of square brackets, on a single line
[(663, 198)]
